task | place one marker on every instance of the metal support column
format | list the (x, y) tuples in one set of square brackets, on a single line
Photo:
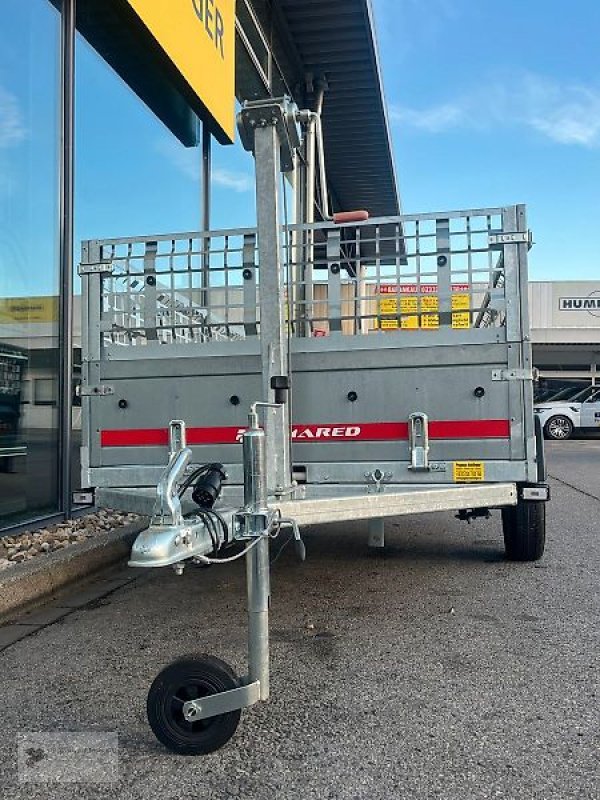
[(377, 533), (67, 124), (274, 356), (205, 216), (258, 584), (206, 177)]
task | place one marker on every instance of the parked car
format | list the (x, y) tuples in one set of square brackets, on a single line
[(561, 416)]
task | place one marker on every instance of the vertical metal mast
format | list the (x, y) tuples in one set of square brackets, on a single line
[(270, 130), (272, 300)]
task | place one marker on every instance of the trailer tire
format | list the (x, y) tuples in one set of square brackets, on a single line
[(189, 678), (559, 428), (524, 528)]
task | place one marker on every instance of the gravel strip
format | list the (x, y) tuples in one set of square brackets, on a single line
[(31, 544)]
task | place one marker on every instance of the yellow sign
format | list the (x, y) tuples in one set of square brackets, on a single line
[(468, 471), (389, 305), (429, 306), (198, 37), (460, 302), (28, 309), (429, 303), (430, 321), (461, 319)]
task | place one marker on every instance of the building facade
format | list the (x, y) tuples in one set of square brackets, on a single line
[(84, 92), (565, 331)]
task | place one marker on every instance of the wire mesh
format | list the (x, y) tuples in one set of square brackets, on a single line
[(393, 275)]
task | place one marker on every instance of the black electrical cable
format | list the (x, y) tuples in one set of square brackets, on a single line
[(221, 521), (212, 531), (209, 516), (191, 478)]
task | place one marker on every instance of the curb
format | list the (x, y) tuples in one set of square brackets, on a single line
[(43, 576)]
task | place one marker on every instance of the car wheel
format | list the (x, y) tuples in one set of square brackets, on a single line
[(559, 428), (524, 528)]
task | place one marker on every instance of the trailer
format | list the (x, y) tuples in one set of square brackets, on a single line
[(303, 374)]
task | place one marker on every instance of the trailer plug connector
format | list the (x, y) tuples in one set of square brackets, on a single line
[(208, 486)]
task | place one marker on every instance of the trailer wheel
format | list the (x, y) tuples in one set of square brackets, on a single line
[(190, 678), (559, 428), (524, 528)]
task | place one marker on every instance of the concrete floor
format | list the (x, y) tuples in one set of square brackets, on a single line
[(435, 670)]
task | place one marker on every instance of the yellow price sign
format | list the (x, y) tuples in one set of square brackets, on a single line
[(461, 319), (408, 305), (410, 322), (460, 302), (468, 471), (430, 321), (430, 303), (388, 305)]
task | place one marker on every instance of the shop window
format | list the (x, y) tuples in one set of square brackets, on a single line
[(29, 282), (45, 392)]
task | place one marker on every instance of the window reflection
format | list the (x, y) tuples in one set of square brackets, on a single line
[(29, 101)]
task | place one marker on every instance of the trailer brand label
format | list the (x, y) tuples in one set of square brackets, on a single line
[(336, 432), (198, 38), (341, 432), (309, 432), (591, 304), (468, 471)]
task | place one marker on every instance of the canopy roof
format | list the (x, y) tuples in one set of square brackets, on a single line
[(337, 39), (331, 39)]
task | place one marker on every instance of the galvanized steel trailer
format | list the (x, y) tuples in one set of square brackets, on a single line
[(388, 360)]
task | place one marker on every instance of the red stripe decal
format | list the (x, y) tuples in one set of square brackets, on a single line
[(158, 437), (345, 431)]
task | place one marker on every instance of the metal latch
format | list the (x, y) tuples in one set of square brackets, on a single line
[(101, 267), (418, 440), (177, 436), (94, 391), (516, 237), (515, 374)]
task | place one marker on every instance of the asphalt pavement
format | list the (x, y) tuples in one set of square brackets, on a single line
[(434, 670)]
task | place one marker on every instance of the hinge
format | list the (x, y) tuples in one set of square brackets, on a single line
[(101, 267), (94, 391), (514, 374), (517, 237)]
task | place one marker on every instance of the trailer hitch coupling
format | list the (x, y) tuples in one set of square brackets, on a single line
[(170, 538)]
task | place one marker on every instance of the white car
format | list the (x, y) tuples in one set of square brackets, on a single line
[(561, 416)]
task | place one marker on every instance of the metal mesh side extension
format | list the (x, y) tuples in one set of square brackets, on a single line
[(390, 276)]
